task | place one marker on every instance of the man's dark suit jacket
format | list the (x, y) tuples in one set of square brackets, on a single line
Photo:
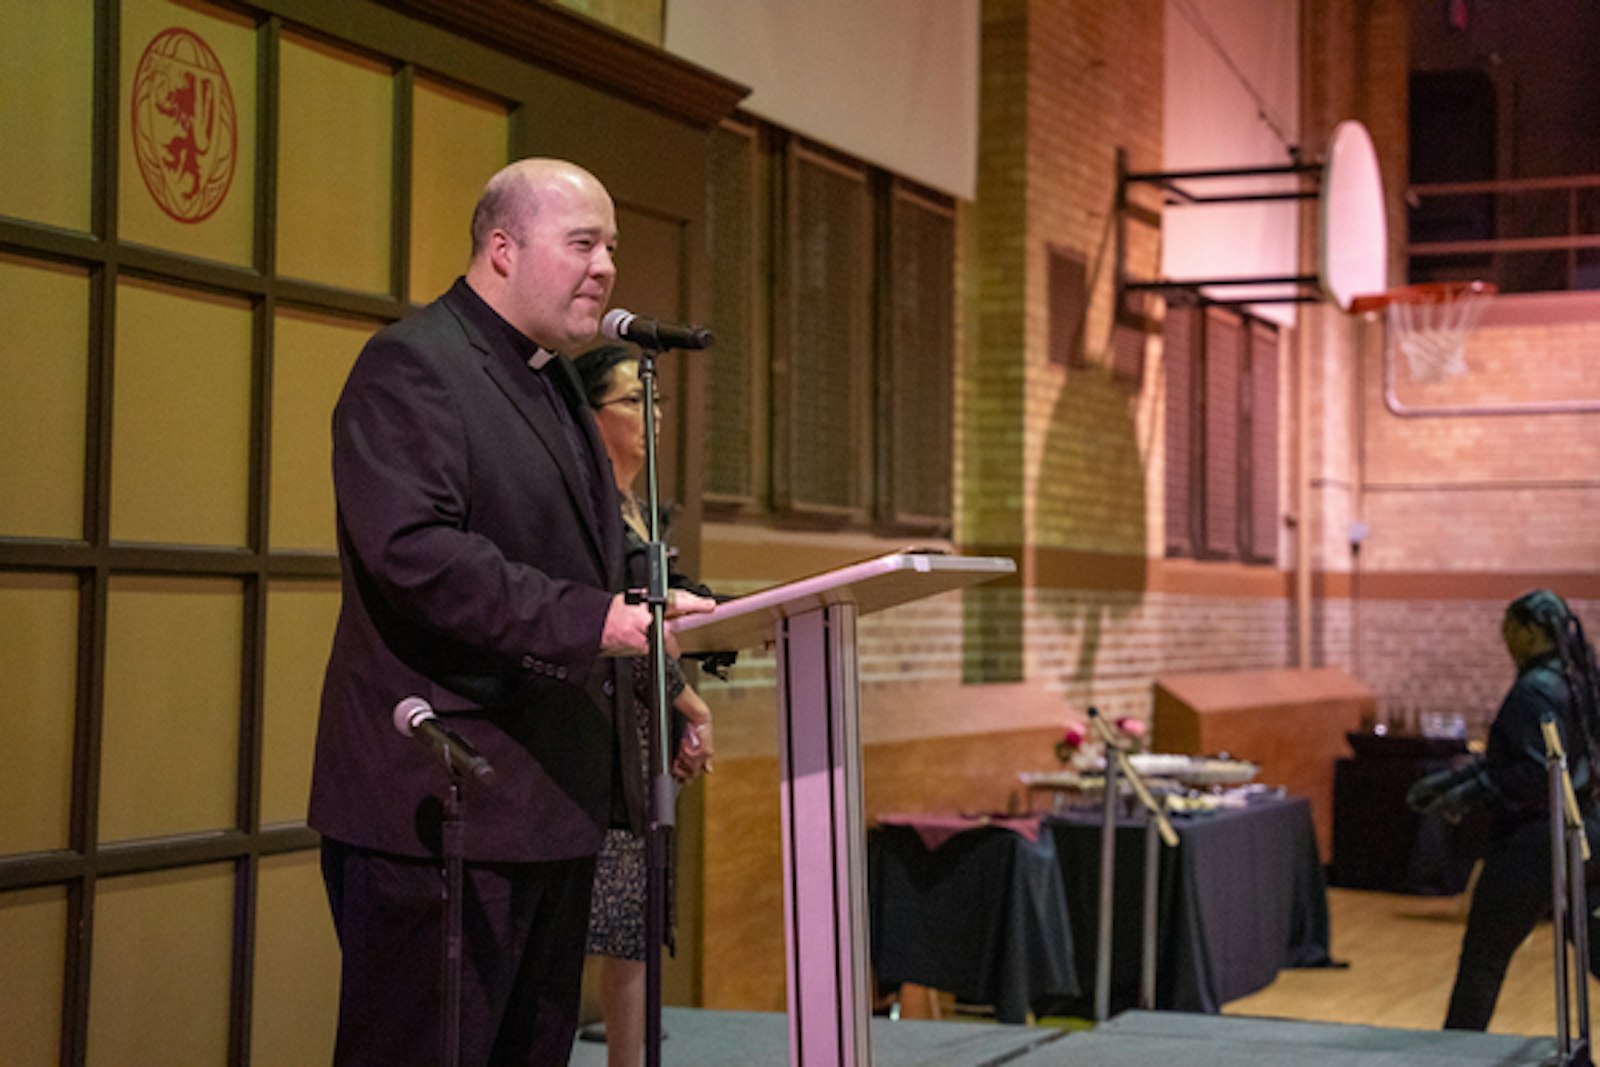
[(476, 575)]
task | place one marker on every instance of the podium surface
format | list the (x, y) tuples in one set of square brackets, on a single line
[(811, 624), (870, 585)]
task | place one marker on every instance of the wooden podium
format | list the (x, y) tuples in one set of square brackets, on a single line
[(812, 625)]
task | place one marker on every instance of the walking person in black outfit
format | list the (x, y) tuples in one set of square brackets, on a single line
[(1556, 678)]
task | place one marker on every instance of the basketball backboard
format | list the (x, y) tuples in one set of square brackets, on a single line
[(1355, 228)]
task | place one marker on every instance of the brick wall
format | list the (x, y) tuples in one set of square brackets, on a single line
[(990, 474), (1449, 489), (1095, 86), (1443, 655)]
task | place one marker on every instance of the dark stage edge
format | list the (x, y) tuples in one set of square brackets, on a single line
[(1146, 1038), (697, 1038), (1133, 1039)]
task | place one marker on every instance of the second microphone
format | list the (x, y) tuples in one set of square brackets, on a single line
[(622, 325), (416, 719)]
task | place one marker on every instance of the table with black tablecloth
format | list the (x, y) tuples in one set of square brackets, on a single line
[(997, 919), (975, 908), (1240, 898), (1380, 843)]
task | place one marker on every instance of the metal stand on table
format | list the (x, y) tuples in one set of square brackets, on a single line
[(1569, 908), (1157, 829)]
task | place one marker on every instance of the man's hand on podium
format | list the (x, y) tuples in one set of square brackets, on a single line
[(627, 626)]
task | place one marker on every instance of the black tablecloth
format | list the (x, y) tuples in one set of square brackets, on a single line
[(982, 916), (1379, 843), (1241, 897), (997, 920)]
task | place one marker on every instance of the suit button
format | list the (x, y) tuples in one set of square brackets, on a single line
[(609, 688), (528, 662), (561, 673)]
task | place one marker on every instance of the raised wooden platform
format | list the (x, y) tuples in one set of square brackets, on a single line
[(1291, 723)]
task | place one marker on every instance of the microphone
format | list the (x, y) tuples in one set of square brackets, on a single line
[(415, 718), (621, 325)]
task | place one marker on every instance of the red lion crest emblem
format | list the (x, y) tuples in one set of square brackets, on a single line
[(185, 129)]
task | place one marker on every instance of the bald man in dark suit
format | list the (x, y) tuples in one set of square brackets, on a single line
[(480, 552)]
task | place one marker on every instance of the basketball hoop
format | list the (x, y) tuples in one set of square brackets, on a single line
[(1429, 323)]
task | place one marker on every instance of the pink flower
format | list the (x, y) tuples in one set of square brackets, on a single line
[(1074, 733), (1131, 727)]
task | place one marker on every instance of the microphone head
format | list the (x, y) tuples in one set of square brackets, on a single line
[(409, 712), (614, 324)]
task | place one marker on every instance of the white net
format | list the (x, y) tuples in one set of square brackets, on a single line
[(1431, 332)]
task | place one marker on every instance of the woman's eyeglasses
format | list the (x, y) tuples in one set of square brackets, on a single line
[(633, 401)]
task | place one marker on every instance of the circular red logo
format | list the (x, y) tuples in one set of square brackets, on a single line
[(185, 130)]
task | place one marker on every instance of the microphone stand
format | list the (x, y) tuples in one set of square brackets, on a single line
[(1569, 909), (412, 718), (454, 840), (661, 810)]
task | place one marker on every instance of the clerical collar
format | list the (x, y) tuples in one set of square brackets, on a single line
[(526, 348)]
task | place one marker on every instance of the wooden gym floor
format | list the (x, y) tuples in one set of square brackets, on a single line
[(1402, 954)]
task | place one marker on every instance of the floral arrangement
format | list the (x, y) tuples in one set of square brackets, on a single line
[(1080, 745)]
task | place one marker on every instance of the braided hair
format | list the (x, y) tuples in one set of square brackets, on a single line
[(1547, 611)]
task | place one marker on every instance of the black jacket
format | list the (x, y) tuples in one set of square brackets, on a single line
[(1512, 778), (477, 575)]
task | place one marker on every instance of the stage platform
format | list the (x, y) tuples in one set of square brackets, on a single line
[(1132, 1039), (756, 1039), (1144, 1038)]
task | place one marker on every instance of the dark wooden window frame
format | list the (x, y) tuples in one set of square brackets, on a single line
[(794, 349), (885, 490), (1202, 523)]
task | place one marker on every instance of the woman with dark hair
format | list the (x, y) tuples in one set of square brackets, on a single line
[(610, 376), (1556, 679)]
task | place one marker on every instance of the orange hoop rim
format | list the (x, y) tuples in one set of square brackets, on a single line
[(1422, 293)]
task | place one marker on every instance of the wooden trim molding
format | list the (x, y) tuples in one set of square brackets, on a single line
[(589, 52), (1484, 585), (1042, 567)]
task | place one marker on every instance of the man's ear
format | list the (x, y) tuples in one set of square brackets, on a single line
[(502, 252)]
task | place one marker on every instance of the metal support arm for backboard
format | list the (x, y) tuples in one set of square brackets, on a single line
[(1308, 287), (1352, 259)]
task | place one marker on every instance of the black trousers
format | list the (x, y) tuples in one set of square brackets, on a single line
[(523, 932), (1512, 897)]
